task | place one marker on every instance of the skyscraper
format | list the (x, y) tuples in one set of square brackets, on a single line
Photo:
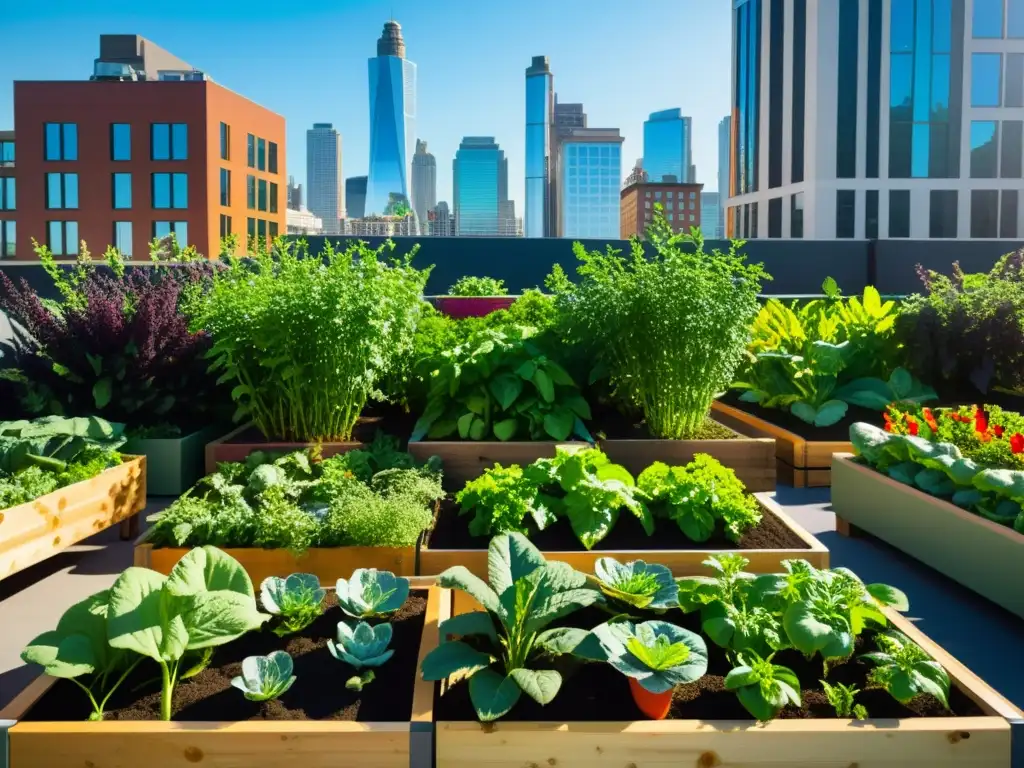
[(539, 120), (724, 153), (589, 171), (877, 119), (668, 146), (710, 208), (294, 196), (480, 175), (355, 196), (424, 182), (392, 120), (326, 194)]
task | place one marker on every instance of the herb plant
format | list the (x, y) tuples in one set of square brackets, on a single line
[(363, 647), (371, 593), (637, 584), (297, 601), (500, 645), (668, 326), (265, 677), (469, 285), (842, 698), (763, 688), (905, 670), (206, 601)]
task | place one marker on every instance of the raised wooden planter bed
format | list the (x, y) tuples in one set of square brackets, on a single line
[(229, 448), (978, 553), (752, 459), (268, 744), (465, 460), (32, 532), (173, 464), (974, 742), (680, 562), (799, 462)]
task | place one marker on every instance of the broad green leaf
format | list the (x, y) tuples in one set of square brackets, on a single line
[(807, 633), (472, 623), (465, 422), (559, 422), (560, 640), (453, 658), (102, 391), (506, 387), (890, 596), (589, 524), (544, 385), (138, 619), (511, 557), (505, 430), (541, 685), (578, 405), (756, 704), (829, 413), (216, 618), (492, 695), (459, 577), (558, 374), (478, 429), (555, 606), (60, 655), (208, 569)]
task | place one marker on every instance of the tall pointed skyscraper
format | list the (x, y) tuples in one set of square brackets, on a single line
[(392, 120), (540, 101)]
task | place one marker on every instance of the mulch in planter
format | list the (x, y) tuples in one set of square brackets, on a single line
[(383, 417), (610, 424), (319, 692), (451, 531), (597, 692)]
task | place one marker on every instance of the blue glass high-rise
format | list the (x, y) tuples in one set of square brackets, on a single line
[(539, 101), (480, 184), (668, 146), (392, 121), (591, 170)]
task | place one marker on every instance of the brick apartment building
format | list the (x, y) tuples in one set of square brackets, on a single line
[(139, 152), (638, 198)]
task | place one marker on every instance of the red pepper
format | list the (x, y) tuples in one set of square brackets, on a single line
[(1017, 443), (998, 431)]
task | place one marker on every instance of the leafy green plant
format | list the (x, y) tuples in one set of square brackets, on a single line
[(698, 496), (206, 601), (343, 320), (501, 644), (657, 654), (469, 285), (265, 677), (371, 593), (762, 687), (637, 584), (500, 384), (878, 394), (842, 698), (78, 647), (296, 600), (905, 670), (500, 501), (363, 647), (667, 327)]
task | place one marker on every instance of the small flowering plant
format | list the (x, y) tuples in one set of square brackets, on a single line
[(988, 435)]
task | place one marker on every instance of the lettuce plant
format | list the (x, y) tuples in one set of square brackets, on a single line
[(363, 647), (657, 654), (637, 584), (370, 593), (206, 601), (296, 600), (265, 677), (500, 644), (78, 647), (762, 687), (500, 501), (904, 670)]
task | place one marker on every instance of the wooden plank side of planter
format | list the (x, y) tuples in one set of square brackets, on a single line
[(268, 744), (222, 450), (466, 460), (680, 562), (983, 556), (327, 564), (752, 459), (32, 532)]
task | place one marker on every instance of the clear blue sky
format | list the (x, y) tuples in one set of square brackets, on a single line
[(307, 61)]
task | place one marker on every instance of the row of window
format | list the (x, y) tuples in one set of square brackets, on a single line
[(680, 195), (260, 228), (670, 205), (989, 23), (996, 85), (168, 141), (62, 236), (6, 153), (167, 190), (256, 193), (259, 153)]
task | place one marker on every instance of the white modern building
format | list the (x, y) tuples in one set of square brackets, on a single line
[(588, 169), (424, 181), (877, 119), (724, 134), (325, 183), (304, 222)]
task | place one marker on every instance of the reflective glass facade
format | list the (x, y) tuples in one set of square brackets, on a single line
[(539, 100), (746, 106), (668, 146), (392, 130), (480, 171), (120, 141), (846, 91), (589, 197)]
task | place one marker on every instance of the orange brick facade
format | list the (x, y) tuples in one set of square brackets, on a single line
[(93, 108), (681, 203)]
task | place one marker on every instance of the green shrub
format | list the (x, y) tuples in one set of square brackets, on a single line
[(469, 285)]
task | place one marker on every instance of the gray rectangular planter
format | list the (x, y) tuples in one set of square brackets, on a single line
[(173, 464)]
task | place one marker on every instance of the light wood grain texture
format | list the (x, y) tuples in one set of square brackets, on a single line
[(465, 460), (328, 564), (32, 532), (222, 450), (751, 458), (980, 554), (274, 744)]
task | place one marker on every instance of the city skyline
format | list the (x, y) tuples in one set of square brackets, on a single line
[(328, 83)]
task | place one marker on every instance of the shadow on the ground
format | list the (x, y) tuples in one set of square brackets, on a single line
[(13, 681)]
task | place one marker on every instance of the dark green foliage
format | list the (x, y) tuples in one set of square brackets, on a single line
[(478, 286)]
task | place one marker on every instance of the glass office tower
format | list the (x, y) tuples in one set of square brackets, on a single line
[(668, 146), (590, 174), (480, 172), (539, 101), (392, 120)]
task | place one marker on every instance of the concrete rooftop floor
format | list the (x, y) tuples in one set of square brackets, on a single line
[(978, 633)]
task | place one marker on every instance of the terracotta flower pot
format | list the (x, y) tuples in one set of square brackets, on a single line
[(654, 705)]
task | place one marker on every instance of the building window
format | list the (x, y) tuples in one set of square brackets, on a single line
[(61, 141), (272, 157), (775, 217), (261, 202), (1008, 216), (120, 141), (225, 225), (123, 238), (273, 197), (747, 90), (8, 239), (871, 214), (777, 30), (261, 155), (987, 21), (986, 79), (169, 141), (1010, 166), (943, 213), (873, 116), (225, 141), (261, 230), (62, 237), (984, 213), (984, 149), (671, 217), (669, 205), (799, 89), (250, 150), (61, 190), (899, 213), (272, 227), (8, 198), (657, 195), (6, 154), (170, 190), (753, 219), (225, 187), (1015, 21), (693, 195), (846, 89), (250, 192), (122, 190), (1014, 80), (647, 203), (250, 227), (179, 229), (846, 213), (647, 194), (796, 215)]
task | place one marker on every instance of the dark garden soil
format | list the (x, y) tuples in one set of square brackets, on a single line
[(319, 692), (451, 531), (610, 424), (597, 692), (382, 417)]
